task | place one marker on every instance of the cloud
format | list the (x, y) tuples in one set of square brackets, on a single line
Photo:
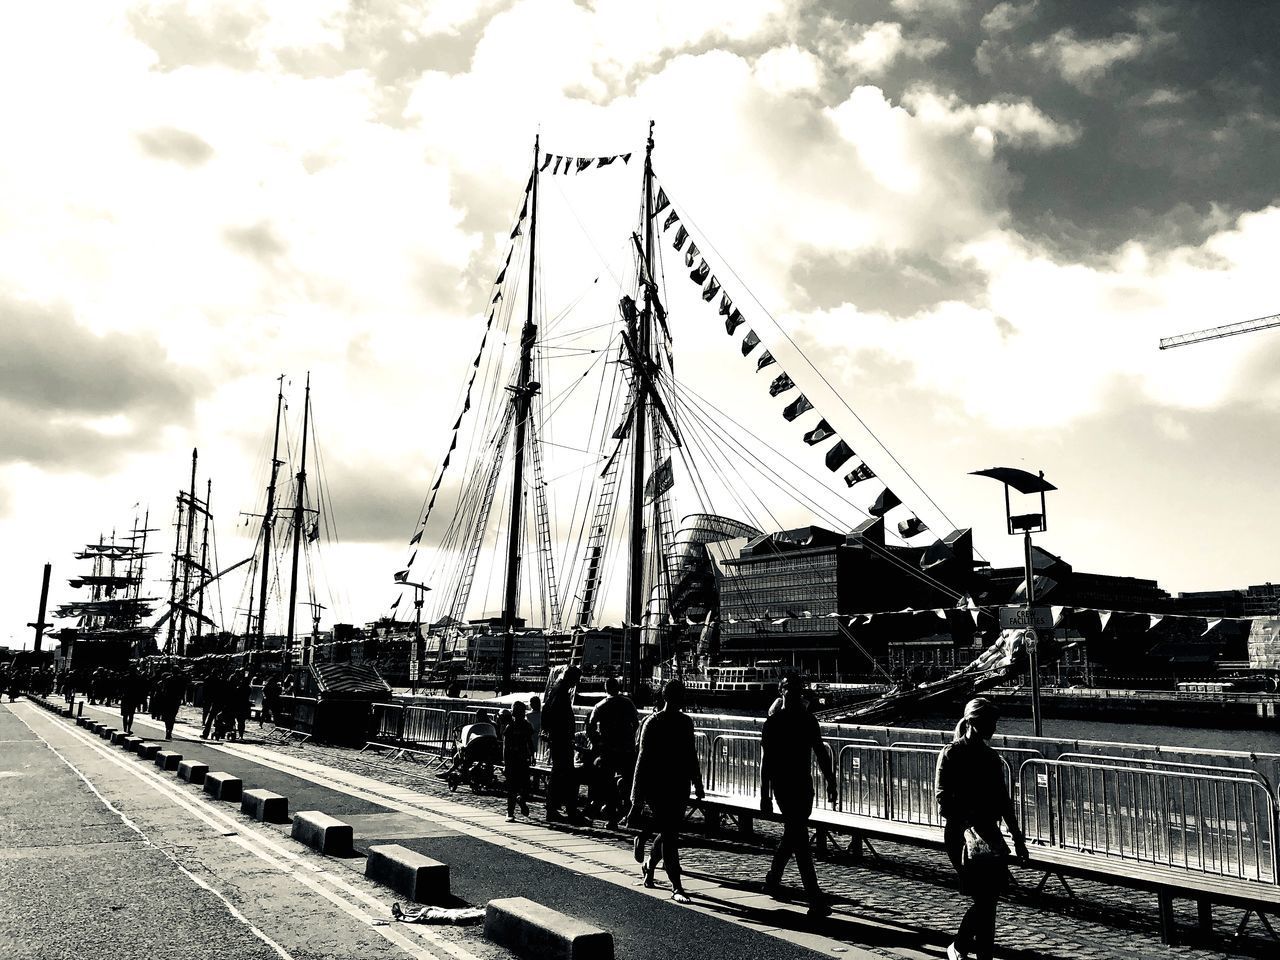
[(179, 146), (1081, 62), (1007, 16), (1018, 123)]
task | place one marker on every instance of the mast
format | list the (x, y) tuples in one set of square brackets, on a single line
[(522, 396), (640, 337), (204, 557), (186, 566), (297, 526), (40, 624), (267, 519)]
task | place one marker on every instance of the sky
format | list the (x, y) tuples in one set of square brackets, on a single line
[(976, 219)]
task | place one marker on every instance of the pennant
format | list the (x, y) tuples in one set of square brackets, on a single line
[(820, 433), (1155, 619), (940, 614), (672, 218), (626, 158), (661, 203), (1210, 625), (515, 233), (711, 289), (974, 614), (412, 557), (884, 503), (681, 236), (837, 455), (858, 474), (750, 342), (605, 161), (1104, 617), (911, 527), (524, 212), (781, 384), (725, 304), (545, 163), (779, 621), (584, 162), (700, 273), (659, 482), (796, 407), (416, 537), (502, 276), (314, 533), (402, 576), (496, 297), (732, 322), (766, 358), (1057, 614), (556, 168), (691, 254)]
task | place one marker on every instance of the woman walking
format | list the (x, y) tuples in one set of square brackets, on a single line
[(973, 799)]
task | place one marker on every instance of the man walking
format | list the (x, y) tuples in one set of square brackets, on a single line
[(612, 728), (791, 736)]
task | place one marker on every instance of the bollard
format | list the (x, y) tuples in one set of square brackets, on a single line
[(192, 772), (410, 874), (223, 786), (265, 805), (167, 759), (531, 930), (323, 832)]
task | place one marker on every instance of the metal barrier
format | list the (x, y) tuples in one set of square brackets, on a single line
[(388, 723), (1212, 823), (1149, 763), (304, 715), (425, 727)]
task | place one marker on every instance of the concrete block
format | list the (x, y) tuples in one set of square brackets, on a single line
[(322, 832), (531, 930), (265, 805), (80, 721), (410, 874), (131, 743), (118, 736), (223, 786), (192, 772), (167, 759), (147, 750), (106, 732)]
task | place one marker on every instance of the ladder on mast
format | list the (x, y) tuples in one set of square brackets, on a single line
[(601, 523), (542, 523)]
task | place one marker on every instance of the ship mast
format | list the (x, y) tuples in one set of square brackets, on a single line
[(297, 526), (640, 337), (204, 557), (267, 519), (522, 397), (186, 566)]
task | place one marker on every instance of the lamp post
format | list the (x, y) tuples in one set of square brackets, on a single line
[(1026, 524), (418, 590)]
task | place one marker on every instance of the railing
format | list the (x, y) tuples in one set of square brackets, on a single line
[(425, 727), (1221, 822)]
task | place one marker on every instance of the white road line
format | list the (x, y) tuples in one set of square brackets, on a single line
[(263, 847)]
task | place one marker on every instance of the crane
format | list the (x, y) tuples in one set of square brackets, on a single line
[(1217, 333)]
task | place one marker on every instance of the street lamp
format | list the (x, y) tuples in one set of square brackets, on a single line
[(1026, 524), (418, 590)]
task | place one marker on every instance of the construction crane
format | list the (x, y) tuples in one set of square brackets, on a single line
[(1217, 333)]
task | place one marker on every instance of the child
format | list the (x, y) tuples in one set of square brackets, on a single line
[(517, 755)]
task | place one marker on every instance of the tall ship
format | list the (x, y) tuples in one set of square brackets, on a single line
[(638, 465)]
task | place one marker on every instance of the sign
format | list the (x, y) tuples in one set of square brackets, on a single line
[(413, 671), (1042, 780), (1022, 618)]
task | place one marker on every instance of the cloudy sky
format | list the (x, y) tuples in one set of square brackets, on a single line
[(978, 219)]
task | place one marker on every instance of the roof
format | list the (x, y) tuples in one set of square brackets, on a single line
[(348, 678)]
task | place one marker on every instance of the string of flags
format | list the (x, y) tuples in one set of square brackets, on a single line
[(556, 164), (840, 453)]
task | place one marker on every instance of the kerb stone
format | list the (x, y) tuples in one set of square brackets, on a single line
[(323, 832), (531, 930), (223, 786), (192, 772), (265, 805), (167, 759), (410, 874)]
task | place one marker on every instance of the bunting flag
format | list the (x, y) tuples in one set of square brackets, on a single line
[(672, 218), (661, 203), (700, 273), (884, 503), (766, 358), (502, 276), (858, 474), (781, 383), (402, 576), (726, 305), (314, 533), (556, 168), (584, 162), (732, 322), (911, 527), (397, 603), (837, 455), (496, 297), (524, 212), (605, 161), (659, 482), (1056, 612), (1155, 620), (515, 233), (416, 537), (1104, 617), (626, 158), (750, 342), (1209, 625), (819, 433), (796, 407), (545, 163), (712, 288), (691, 254), (681, 236)]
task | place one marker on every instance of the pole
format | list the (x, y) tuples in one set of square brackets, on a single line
[(204, 558), (268, 518), (40, 624), (297, 527), (639, 426), (522, 397), (418, 650), (1033, 643)]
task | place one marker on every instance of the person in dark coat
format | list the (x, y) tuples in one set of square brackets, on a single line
[(171, 686), (611, 726), (666, 768), (270, 700), (559, 726), (517, 758), (972, 799), (789, 741)]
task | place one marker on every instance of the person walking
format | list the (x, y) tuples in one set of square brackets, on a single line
[(666, 768), (789, 741), (973, 799), (611, 725), (559, 726), (240, 700), (171, 685), (517, 758), (130, 687), (270, 700)]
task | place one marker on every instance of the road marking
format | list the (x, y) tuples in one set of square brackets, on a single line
[(267, 849)]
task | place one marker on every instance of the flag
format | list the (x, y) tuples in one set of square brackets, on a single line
[(681, 236), (820, 433), (766, 358), (397, 603), (515, 233), (584, 162), (502, 276), (672, 218), (750, 342), (726, 305), (1210, 624), (700, 273), (911, 527), (659, 482), (497, 296), (545, 163), (402, 576), (884, 503), (314, 533), (837, 455), (711, 289), (626, 158), (556, 168), (732, 322), (1104, 617), (605, 161), (416, 537), (691, 254), (1155, 619), (661, 203), (858, 474), (781, 383), (796, 407)]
